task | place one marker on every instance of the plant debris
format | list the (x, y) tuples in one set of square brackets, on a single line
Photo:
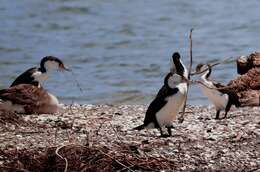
[(100, 138)]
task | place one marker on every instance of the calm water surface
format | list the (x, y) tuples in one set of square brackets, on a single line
[(120, 50)]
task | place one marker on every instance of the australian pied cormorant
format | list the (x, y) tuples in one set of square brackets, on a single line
[(164, 109), (222, 99), (38, 74)]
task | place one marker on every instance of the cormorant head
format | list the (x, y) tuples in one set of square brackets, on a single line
[(52, 63), (177, 66), (202, 68)]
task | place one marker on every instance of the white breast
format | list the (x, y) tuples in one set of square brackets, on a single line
[(174, 80), (174, 103), (217, 98), (39, 76), (53, 100)]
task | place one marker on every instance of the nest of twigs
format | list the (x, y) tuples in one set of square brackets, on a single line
[(82, 158)]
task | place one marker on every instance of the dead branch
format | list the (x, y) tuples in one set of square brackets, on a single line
[(181, 119), (76, 81), (226, 60)]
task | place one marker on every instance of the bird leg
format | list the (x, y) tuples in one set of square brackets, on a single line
[(169, 130), (163, 134), (227, 109), (217, 114)]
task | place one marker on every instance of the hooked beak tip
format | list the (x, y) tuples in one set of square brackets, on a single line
[(67, 69), (63, 68)]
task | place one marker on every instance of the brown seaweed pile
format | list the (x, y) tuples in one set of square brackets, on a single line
[(247, 85)]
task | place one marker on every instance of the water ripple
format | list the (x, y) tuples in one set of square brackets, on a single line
[(121, 50)]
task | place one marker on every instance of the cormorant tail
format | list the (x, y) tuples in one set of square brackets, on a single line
[(140, 127)]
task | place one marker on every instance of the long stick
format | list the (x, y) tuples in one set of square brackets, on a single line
[(181, 119), (226, 60), (190, 66)]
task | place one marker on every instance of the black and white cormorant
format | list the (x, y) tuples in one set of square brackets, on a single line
[(165, 107), (28, 98), (39, 74), (222, 99)]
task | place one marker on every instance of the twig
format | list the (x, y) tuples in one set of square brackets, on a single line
[(181, 119), (76, 81), (100, 126), (55, 135), (116, 160), (65, 159), (116, 133), (214, 64), (29, 132), (71, 113)]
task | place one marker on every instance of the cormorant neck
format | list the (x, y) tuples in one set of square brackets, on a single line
[(208, 71), (179, 67), (206, 75), (42, 66), (42, 69)]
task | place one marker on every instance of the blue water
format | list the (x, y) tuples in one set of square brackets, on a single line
[(120, 50)]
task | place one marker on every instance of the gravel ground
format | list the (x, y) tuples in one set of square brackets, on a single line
[(200, 143)]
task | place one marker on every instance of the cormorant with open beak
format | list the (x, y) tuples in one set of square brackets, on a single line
[(165, 107), (222, 99), (37, 75)]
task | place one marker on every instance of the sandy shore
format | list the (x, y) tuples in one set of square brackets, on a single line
[(199, 143)]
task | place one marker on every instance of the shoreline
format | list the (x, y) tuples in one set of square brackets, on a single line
[(199, 143)]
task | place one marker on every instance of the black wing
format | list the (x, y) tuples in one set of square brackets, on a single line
[(217, 84), (231, 94), (234, 99), (158, 104), (25, 78), (153, 108), (162, 92)]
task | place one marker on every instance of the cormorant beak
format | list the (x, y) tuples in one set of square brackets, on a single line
[(185, 79), (63, 68), (201, 68), (195, 73)]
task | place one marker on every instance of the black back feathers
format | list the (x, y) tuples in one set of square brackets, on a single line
[(25, 78)]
